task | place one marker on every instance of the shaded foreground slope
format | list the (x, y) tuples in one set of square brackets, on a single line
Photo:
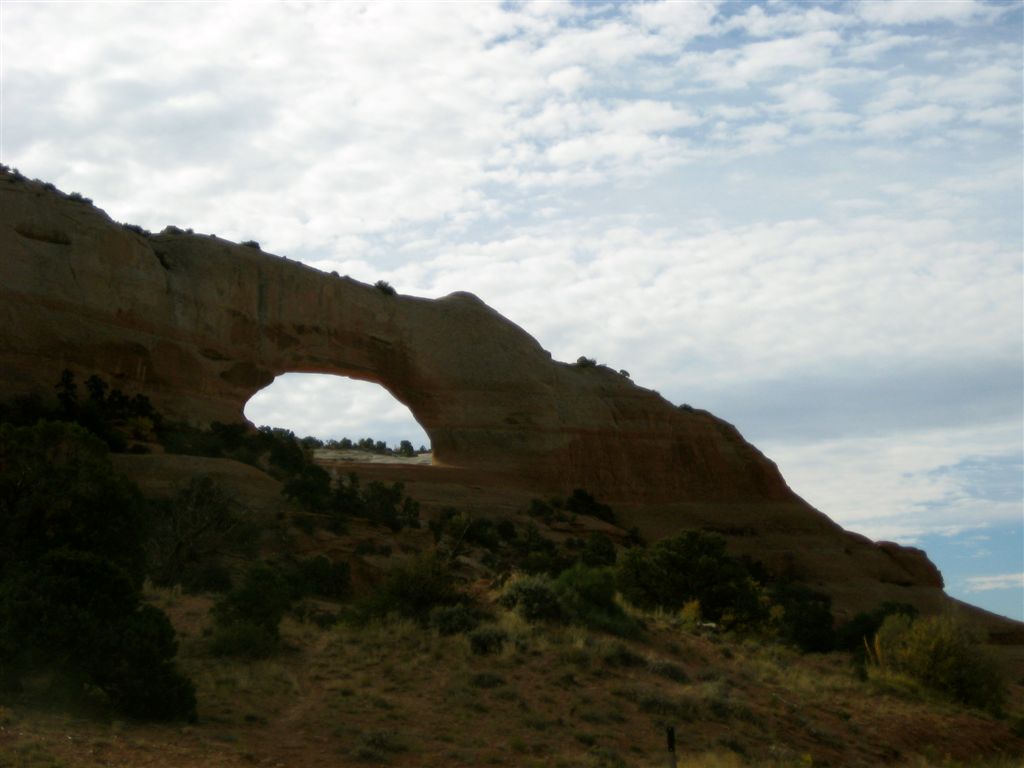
[(396, 694)]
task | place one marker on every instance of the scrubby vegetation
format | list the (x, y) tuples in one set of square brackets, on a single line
[(71, 570), (942, 654), (556, 582)]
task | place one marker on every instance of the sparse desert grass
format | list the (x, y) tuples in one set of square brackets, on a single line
[(398, 692)]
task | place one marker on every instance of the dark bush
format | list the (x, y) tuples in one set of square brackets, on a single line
[(668, 670), (582, 503), (619, 655), (453, 619), (943, 654), (533, 597), (206, 576), (317, 576), (78, 614), (309, 487), (250, 244), (506, 530), (244, 639), (587, 596), (857, 633), (251, 612), (806, 619), (486, 640), (410, 589), (691, 566), (384, 287), (59, 490), (189, 531), (599, 551)]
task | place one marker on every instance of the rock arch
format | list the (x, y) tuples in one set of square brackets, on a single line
[(200, 324)]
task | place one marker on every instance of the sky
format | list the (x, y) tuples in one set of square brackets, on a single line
[(804, 217)]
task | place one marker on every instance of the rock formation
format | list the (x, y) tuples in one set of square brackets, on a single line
[(200, 324)]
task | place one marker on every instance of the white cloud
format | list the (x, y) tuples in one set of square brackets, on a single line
[(924, 11), (677, 22), (740, 67), (900, 123), (988, 583), (796, 18)]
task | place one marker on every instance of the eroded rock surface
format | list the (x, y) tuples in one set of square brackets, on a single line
[(200, 324)]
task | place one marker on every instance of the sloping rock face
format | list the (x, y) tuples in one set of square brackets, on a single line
[(200, 324)]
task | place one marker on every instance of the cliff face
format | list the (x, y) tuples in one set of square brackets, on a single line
[(200, 324)]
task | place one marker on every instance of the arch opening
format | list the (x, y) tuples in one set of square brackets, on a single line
[(333, 408)]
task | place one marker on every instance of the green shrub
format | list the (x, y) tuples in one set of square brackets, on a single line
[(599, 551), (244, 639), (857, 633), (533, 597), (587, 596), (384, 287), (58, 489), (691, 566), (189, 530), (310, 488), (487, 640), (453, 619), (943, 654), (207, 576), (619, 655), (411, 589), (324, 578), (80, 615), (668, 670), (806, 619), (486, 680), (71, 568), (582, 503), (315, 576), (248, 616)]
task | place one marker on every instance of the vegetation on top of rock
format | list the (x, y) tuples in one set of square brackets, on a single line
[(137, 229), (251, 244), (384, 287)]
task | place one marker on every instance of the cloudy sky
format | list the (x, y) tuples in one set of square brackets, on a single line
[(805, 217)]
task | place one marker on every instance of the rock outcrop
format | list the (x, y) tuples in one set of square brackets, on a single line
[(200, 324)]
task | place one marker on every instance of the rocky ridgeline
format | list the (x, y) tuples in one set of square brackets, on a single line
[(200, 324)]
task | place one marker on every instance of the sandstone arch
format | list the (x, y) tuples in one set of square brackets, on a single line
[(200, 324)]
